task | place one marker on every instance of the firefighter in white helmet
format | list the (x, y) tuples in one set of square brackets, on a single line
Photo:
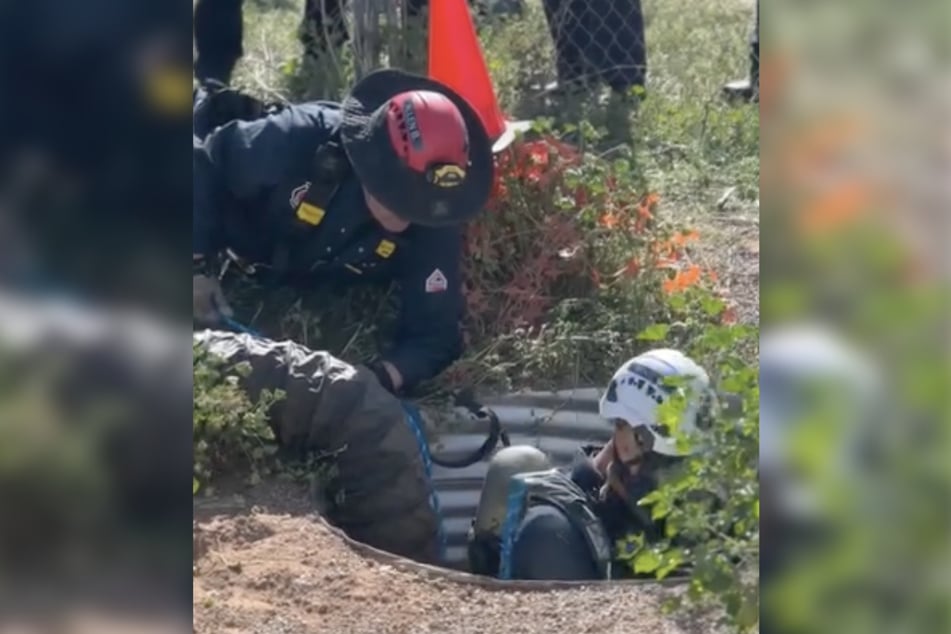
[(561, 524)]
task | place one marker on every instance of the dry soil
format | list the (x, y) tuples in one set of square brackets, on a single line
[(265, 564)]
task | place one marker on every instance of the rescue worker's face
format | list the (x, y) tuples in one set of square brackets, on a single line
[(630, 442), (386, 218), (625, 443)]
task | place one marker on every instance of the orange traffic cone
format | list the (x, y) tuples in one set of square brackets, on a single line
[(455, 59)]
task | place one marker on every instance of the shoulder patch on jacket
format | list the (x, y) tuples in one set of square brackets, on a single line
[(436, 282)]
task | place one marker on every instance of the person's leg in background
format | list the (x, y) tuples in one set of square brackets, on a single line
[(748, 89), (416, 45), (415, 48), (414, 8), (323, 27), (218, 38), (619, 53), (754, 56), (565, 22)]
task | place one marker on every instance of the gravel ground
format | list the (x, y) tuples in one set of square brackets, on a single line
[(729, 245), (271, 572)]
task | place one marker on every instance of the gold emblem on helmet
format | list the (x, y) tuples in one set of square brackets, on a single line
[(448, 176)]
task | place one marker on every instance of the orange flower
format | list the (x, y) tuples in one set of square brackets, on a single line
[(644, 210), (838, 207), (665, 252), (632, 268), (682, 280), (681, 239), (608, 220)]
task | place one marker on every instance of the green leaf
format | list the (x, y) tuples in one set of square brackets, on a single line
[(646, 561), (656, 332), (661, 509), (195, 486), (677, 302), (651, 498), (671, 528), (672, 560), (712, 306)]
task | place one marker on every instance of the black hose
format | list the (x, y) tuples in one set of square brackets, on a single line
[(496, 434)]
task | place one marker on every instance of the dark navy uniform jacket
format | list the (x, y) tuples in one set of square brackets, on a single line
[(249, 181)]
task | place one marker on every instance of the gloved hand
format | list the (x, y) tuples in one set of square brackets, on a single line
[(208, 300), (377, 368)]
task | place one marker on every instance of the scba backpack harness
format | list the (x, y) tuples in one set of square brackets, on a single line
[(558, 490)]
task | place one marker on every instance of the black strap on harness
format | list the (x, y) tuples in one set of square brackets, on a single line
[(330, 168)]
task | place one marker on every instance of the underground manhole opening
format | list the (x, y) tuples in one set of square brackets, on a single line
[(556, 425)]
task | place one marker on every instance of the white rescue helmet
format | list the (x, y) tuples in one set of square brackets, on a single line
[(639, 387)]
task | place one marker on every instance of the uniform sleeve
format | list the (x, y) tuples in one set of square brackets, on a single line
[(241, 160), (428, 336)]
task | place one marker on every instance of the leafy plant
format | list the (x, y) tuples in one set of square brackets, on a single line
[(710, 507), (231, 434)]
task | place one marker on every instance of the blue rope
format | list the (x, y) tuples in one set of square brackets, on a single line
[(234, 324), (514, 507), (415, 423)]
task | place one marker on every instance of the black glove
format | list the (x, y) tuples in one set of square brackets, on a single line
[(377, 368)]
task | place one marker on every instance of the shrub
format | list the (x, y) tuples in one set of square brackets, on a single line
[(231, 435), (570, 262), (711, 506)]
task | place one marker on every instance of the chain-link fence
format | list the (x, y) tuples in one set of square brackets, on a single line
[(379, 32), (593, 42), (534, 48)]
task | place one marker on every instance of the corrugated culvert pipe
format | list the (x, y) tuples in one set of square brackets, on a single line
[(557, 423)]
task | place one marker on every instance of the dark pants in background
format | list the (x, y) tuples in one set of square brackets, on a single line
[(754, 50), (219, 32), (598, 41)]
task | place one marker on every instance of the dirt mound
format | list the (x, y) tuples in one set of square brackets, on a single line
[(272, 571)]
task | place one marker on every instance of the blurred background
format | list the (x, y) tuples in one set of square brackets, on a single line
[(95, 375), (855, 191)]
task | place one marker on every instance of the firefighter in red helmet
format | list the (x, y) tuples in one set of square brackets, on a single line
[(374, 189)]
